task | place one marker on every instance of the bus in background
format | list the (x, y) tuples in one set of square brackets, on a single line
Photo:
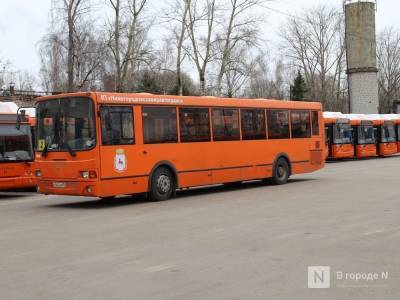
[(386, 137), (16, 150), (395, 118), (363, 135), (397, 121), (339, 135), (105, 144)]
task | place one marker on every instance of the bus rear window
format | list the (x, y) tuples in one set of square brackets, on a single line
[(225, 124), (278, 124), (159, 125)]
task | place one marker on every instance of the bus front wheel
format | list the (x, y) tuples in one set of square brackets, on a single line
[(281, 172), (162, 185)]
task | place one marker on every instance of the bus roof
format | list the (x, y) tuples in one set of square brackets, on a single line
[(395, 117), (331, 117), (12, 108), (144, 98), (358, 119), (8, 108)]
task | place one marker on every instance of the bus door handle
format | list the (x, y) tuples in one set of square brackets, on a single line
[(144, 152)]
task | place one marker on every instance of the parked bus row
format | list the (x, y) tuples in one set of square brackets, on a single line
[(105, 144), (360, 136)]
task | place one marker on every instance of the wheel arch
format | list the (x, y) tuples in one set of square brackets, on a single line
[(285, 156)]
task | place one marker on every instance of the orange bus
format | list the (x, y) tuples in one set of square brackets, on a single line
[(16, 153), (396, 119), (364, 135), (339, 136), (386, 139), (398, 132), (105, 144)]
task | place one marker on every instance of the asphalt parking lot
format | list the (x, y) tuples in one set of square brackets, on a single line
[(255, 241)]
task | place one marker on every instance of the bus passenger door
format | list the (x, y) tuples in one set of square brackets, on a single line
[(118, 150)]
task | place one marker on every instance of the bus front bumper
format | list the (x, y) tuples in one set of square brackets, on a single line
[(19, 182), (387, 149), (368, 150), (70, 188), (343, 151)]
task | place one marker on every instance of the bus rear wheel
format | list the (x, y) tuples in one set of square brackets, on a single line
[(162, 185), (281, 172)]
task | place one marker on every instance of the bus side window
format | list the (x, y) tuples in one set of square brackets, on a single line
[(300, 124), (159, 125), (315, 123), (253, 124), (278, 124), (225, 124), (194, 124), (117, 125)]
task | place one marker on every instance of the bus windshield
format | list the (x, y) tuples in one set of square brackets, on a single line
[(15, 144), (342, 134), (366, 135), (66, 124), (388, 134)]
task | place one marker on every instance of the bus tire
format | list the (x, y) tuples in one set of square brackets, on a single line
[(109, 198), (162, 185), (281, 171)]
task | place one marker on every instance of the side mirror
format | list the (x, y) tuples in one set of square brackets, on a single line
[(20, 117)]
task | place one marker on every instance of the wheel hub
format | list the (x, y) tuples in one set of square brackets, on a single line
[(163, 184), (281, 171)]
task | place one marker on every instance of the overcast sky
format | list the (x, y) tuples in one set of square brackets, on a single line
[(24, 22)]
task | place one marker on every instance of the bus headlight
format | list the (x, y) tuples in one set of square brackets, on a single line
[(38, 173), (88, 174), (85, 174)]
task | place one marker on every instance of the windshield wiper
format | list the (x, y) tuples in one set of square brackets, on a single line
[(70, 150), (45, 149)]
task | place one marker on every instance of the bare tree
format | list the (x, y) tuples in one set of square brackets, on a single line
[(126, 38), (181, 38), (267, 82), (25, 81), (201, 19), (314, 42), (4, 71), (73, 10), (241, 31), (73, 50), (388, 52), (52, 59)]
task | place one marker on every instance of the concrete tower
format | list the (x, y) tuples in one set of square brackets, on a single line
[(361, 56)]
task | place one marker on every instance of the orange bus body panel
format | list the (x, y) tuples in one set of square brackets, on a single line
[(195, 164), (15, 176)]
